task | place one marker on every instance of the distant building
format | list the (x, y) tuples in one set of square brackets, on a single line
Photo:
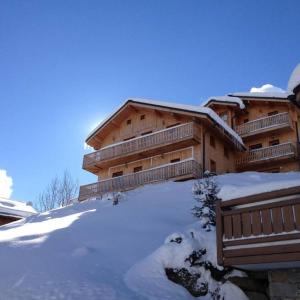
[(11, 210), (146, 141)]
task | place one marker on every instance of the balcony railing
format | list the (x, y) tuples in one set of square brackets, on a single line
[(259, 229), (188, 168), (268, 153), (264, 124), (139, 144)]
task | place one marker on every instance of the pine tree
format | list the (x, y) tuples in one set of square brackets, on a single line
[(205, 193)]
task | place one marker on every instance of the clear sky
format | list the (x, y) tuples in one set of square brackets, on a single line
[(64, 65)]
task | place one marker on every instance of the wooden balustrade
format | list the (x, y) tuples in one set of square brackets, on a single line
[(140, 144), (276, 152), (180, 170), (261, 228), (264, 124)]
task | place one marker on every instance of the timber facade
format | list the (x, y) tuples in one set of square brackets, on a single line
[(148, 141)]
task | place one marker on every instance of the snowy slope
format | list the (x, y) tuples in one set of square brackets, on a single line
[(94, 250)]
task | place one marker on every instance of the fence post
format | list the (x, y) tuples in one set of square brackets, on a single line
[(219, 233)]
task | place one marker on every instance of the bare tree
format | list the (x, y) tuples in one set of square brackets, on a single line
[(60, 192)]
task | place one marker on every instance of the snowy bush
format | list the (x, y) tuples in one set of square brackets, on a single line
[(205, 193)]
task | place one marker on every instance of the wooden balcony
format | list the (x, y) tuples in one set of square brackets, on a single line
[(258, 126), (177, 171), (259, 229), (267, 154), (144, 146)]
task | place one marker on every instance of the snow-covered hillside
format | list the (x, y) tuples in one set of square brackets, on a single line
[(95, 250)]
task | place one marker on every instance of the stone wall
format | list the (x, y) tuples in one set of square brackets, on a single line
[(284, 284)]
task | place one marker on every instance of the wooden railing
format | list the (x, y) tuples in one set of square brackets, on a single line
[(263, 228), (261, 124), (171, 171), (165, 136), (262, 154)]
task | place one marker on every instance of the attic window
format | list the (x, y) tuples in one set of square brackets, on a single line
[(142, 117), (174, 160), (128, 122)]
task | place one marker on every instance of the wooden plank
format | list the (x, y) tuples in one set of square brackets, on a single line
[(288, 217), (297, 216), (219, 234), (277, 220), (266, 239), (227, 227), (237, 226), (246, 224), (266, 221), (262, 259), (261, 197), (256, 223), (252, 251)]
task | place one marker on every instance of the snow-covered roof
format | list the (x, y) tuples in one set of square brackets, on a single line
[(226, 99), (183, 107), (15, 208), (294, 80), (265, 91)]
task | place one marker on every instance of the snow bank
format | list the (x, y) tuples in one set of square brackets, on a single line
[(15, 208), (294, 80), (230, 99), (94, 250)]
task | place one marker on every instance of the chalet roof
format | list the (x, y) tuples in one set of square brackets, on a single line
[(294, 81), (182, 108), (224, 100), (15, 208)]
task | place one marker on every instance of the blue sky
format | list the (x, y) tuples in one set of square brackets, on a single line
[(64, 65)]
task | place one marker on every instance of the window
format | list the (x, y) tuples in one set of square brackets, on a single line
[(226, 153), (272, 113), (213, 166), (142, 117), (212, 141), (246, 120), (224, 116), (117, 174), (174, 160), (137, 169), (255, 146), (128, 122), (172, 125), (127, 139), (147, 132), (274, 142)]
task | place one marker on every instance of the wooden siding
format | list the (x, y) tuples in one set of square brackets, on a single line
[(148, 145), (7, 219), (262, 228), (180, 170)]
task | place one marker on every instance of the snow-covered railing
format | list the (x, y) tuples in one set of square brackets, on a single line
[(263, 124), (259, 229), (283, 150), (141, 143), (180, 170)]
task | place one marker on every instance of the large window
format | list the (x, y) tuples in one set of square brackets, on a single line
[(117, 174)]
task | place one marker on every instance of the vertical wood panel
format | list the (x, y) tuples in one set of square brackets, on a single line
[(256, 223), (288, 217), (237, 226), (266, 221), (227, 227), (277, 220), (246, 224), (297, 215)]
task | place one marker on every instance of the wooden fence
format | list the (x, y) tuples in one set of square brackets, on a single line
[(262, 124), (188, 168), (263, 228)]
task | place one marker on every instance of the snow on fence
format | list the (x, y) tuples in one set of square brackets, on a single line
[(261, 228), (283, 150), (261, 124), (165, 136), (187, 168)]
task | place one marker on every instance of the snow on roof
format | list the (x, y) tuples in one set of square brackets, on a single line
[(186, 107), (15, 208), (229, 99), (294, 80), (265, 91)]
